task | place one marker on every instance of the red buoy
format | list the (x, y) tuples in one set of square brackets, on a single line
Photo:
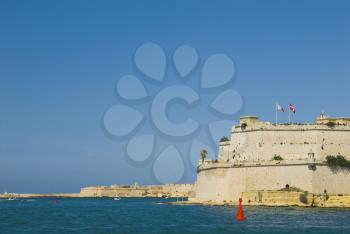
[(240, 214)]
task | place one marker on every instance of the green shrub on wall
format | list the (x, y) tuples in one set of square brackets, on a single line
[(224, 138), (330, 124), (277, 157), (338, 161)]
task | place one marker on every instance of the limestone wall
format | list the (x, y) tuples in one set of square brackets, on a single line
[(219, 184), (334, 181), (290, 142), (228, 183), (224, 151), (171, 190), (331, 201), (38, 195), (282, 198), (246, 162), (278, 198)]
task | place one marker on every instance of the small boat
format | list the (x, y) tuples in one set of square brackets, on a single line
[(11, 198), (116, 198)]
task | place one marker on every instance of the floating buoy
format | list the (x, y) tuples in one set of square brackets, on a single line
[(240, 214)]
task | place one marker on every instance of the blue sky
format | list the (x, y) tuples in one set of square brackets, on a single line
[(60, 60)]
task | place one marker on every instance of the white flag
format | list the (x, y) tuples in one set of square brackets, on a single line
[(279, 107)]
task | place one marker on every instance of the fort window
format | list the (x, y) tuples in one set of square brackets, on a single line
[(243, 126)]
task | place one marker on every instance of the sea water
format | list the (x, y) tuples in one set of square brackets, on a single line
[(148, 215)]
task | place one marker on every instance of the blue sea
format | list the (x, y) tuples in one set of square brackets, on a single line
[(146, 215)]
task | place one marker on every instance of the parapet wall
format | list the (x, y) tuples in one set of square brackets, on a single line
[(261, 141)]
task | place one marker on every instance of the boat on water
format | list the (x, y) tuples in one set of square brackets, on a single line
[(116, 198), (12, 198)]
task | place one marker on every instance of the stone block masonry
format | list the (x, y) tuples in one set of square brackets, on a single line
[(264, 156)]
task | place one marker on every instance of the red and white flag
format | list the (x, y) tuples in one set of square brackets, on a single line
[(292, 108), (279, 107)]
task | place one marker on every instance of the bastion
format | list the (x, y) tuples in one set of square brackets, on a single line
[(166, 190), (262, 156)]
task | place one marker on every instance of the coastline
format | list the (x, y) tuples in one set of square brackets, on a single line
[(301, 199), (39, 195), (279, 199)]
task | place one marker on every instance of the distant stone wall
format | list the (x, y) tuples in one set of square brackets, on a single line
[(170, 190), (38, 195)]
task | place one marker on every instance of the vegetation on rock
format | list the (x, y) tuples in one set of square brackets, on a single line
[(337, 161), (330, 124), (224, 138), (203, 154), (277, 157)]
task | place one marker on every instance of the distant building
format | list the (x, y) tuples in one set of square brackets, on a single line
[(324, 119)]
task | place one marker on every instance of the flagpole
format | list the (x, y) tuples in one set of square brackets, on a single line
[(276, 113), (289, 114)]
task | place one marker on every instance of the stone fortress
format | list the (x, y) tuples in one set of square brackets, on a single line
[(136, 190), (262, 156)]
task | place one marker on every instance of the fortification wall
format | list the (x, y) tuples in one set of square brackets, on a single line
[(278, 198), (171, 190), (245, 163), (290, 142), (334, 181), (228, 184), (218, 184)]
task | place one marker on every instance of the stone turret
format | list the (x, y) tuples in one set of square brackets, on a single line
[(248, 121), (324, 119)]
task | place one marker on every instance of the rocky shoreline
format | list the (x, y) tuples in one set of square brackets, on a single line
[(278, 199)]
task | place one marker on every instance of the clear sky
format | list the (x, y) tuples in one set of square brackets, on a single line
[(60, 61)]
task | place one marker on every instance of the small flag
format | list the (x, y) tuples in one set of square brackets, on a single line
[(279, 107), (292, 108)]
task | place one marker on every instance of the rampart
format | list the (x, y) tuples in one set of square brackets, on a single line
[(167, 190), (265, 156)]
